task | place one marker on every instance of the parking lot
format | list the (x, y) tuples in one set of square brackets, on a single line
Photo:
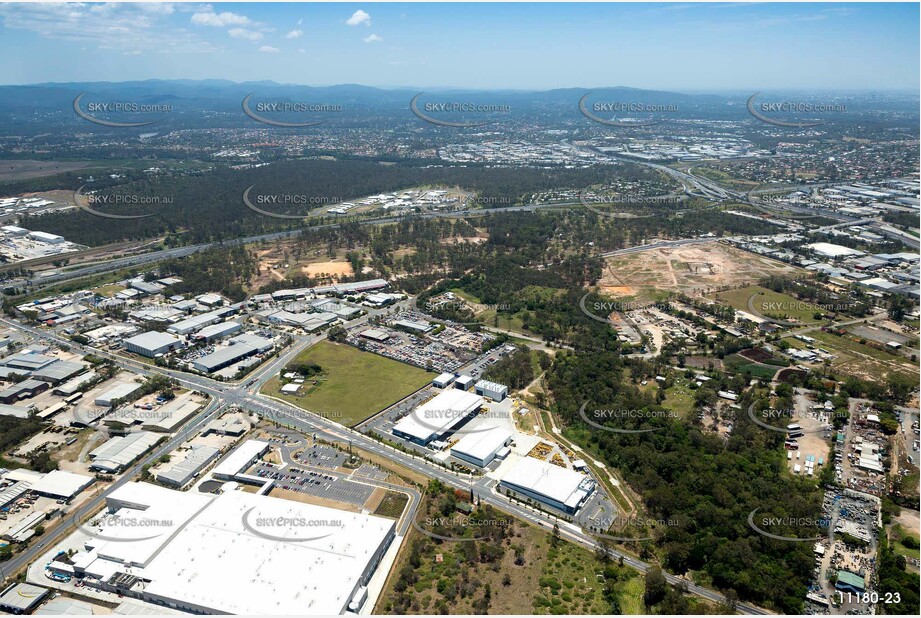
[(321, 456), (320, 484)]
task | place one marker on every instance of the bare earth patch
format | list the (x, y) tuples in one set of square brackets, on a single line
[(693, 269)]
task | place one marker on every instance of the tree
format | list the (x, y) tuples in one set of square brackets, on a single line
[(656, 586)]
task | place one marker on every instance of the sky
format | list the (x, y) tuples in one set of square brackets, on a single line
[(690, 47)]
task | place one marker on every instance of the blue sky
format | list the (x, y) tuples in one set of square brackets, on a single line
[(680, 46)]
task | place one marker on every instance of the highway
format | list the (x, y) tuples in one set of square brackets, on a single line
[(245, 395)]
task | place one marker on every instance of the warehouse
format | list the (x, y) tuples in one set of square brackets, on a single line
[(493, 390), (481, 447), (240, 460), (119, 391), (438, 417), (51, 239), (27, 362), (197, 322), (413, 326), (376, 334), (58, 371), (218, 331), (225, 357), (443, 381), (152, 343), (22, 598), (184, 471), (22, 390), (76, 384), (61, 485), (548, 484), (119, 452), (210, 554), (464, 383), (171, 415)]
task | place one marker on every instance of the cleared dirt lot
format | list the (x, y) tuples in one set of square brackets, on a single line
[(694, 269)]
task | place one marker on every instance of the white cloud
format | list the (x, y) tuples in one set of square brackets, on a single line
[(135, 52), (219, 20), (126, 27), (295, 34), (302, 51), (268, 49), (243, 33), (358, 18), (372, 38)]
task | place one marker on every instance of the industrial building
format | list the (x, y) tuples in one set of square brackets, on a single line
[(22, 598), (243, 347), (443, 414), (58, 371), (152, 343), (184, 471), (61, 485), (240, 459), (218, 331), (376, 334), (119, 391), (27, 362), (443, 381), (493, 390), (171, 415), (22, 390), (75, 384), (464, 383), (481, 447), (551, 485), (198, 322), (119, 452), (51, 239), (210, 555)]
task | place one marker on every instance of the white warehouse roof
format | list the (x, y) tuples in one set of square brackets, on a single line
[(439, 414), (241, 458), (213, 557), (558, 484), (482, 444), (62, 484)]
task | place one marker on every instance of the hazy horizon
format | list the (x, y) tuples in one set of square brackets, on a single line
[(684, 47)]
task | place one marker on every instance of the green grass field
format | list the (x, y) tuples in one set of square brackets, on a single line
[(354, 384), (679, 398), (769, 303)]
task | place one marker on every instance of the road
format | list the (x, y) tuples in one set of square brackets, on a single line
[(245, 395)]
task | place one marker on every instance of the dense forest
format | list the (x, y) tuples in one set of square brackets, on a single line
[(705, 484), (209, 206)]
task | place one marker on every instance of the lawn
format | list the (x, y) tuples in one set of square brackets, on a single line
[(353, 385), (679, 398), (769, 303)]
